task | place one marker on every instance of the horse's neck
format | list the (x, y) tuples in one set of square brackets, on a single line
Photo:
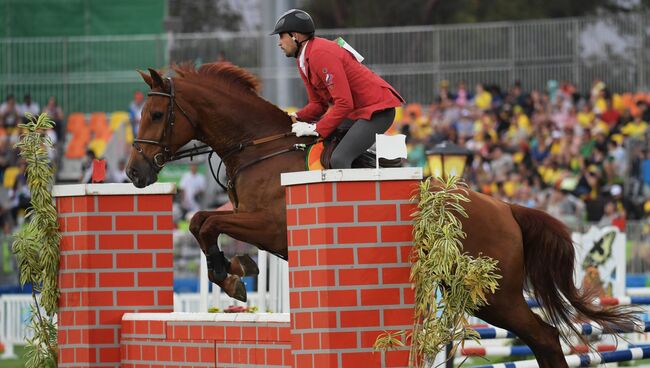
[(234, 121)]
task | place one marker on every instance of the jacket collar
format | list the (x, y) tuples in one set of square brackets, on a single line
[(307, 52)]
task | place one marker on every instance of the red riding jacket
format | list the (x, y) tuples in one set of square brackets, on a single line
[(335, 77)]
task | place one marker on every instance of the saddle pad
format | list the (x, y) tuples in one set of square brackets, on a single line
[(312, 159)]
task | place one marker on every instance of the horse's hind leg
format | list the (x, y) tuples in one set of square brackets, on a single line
[(542, 338)]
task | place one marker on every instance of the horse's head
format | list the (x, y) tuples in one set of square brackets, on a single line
[(164, 128)]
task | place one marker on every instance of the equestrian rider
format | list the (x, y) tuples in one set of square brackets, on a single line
[(334, 76)]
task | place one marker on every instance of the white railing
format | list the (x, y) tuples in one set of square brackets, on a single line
[(14, 314), (272, 292)]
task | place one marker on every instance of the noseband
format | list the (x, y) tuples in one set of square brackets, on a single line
[(165, 155)]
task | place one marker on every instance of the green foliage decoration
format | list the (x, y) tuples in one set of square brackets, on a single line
[(36, 243), (449, 284)]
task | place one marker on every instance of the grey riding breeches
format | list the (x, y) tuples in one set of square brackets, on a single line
[(360, 137)]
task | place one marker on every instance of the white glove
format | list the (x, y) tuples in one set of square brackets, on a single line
[(304, 129)]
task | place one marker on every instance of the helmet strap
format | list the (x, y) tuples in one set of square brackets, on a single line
[(298, 44)]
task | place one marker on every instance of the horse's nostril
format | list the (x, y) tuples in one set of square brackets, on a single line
[(133, 173)]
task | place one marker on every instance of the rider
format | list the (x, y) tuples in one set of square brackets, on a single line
[(333, 75)]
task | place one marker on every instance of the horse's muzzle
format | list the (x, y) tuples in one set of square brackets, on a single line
[(140, 178)]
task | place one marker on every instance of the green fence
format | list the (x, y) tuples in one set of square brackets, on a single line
[(61, 48), (48, 18), (95, 73)]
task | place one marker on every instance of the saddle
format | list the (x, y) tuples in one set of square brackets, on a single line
[(365, 160)]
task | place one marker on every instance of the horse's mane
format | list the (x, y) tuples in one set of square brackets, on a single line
[(223, 73)]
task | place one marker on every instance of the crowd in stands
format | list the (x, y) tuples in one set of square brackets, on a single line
[(583, 157), (14, 193), (79, 137)]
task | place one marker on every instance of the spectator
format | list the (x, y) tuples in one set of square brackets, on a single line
[(192, 185), (462, 96), (9, 114), (612, 217), (87, 167), (19, 194), (636, 129), (564, 207), (501, 163), (610, 116), (28, 107), (483, 98), (118, 175), (54, 111), (135, 111), (443, 92), (644, 111)]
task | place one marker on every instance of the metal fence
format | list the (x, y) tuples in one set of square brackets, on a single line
[(97, 73)]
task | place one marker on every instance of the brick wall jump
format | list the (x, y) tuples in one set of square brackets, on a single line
[(349, 246), (116, 257), (184, 340)]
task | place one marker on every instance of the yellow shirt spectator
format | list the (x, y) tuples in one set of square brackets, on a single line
[(483, 100), (510, 188), (523, 122), (635, 128), (549, 175), (480, 128), (600, 105), (585, 118)]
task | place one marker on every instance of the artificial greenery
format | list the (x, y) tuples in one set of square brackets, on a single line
[(36, 243), (448, 283)]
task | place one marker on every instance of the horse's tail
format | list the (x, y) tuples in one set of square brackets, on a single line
[(549, 260)]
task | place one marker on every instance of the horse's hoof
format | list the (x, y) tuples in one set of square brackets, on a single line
[(235, 288), (244, 266)]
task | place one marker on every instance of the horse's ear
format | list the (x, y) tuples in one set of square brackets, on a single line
[(156, 78), (146, 78)]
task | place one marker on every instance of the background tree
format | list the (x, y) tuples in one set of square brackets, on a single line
[(205, 15), (366, 13)]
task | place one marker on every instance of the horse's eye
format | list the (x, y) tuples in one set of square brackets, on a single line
[(157, 115)]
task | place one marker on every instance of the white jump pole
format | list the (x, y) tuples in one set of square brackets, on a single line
[(262, 282), (203, 284), (284, 286), (273, 284)]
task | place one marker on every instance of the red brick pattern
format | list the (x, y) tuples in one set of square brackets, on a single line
[(116, 253), (349, 244), (165, 341)]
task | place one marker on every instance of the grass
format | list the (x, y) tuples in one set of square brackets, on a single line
[(15, 363)]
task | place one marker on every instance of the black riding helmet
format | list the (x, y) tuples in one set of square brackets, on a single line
[(294, 20)]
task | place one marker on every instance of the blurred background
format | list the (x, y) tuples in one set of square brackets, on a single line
[(550, 97)]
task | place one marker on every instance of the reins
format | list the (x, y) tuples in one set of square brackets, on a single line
[(161, 158)]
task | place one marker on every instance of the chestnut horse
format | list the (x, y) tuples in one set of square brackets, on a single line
[(218, 104)]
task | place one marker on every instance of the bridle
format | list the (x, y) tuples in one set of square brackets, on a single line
[(165, 155)]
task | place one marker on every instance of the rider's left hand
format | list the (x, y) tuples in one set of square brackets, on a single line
[(304, 129)]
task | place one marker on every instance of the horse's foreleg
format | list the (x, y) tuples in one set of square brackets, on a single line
[(218, 265), (249, 227), (240, 265), (197, 221)]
